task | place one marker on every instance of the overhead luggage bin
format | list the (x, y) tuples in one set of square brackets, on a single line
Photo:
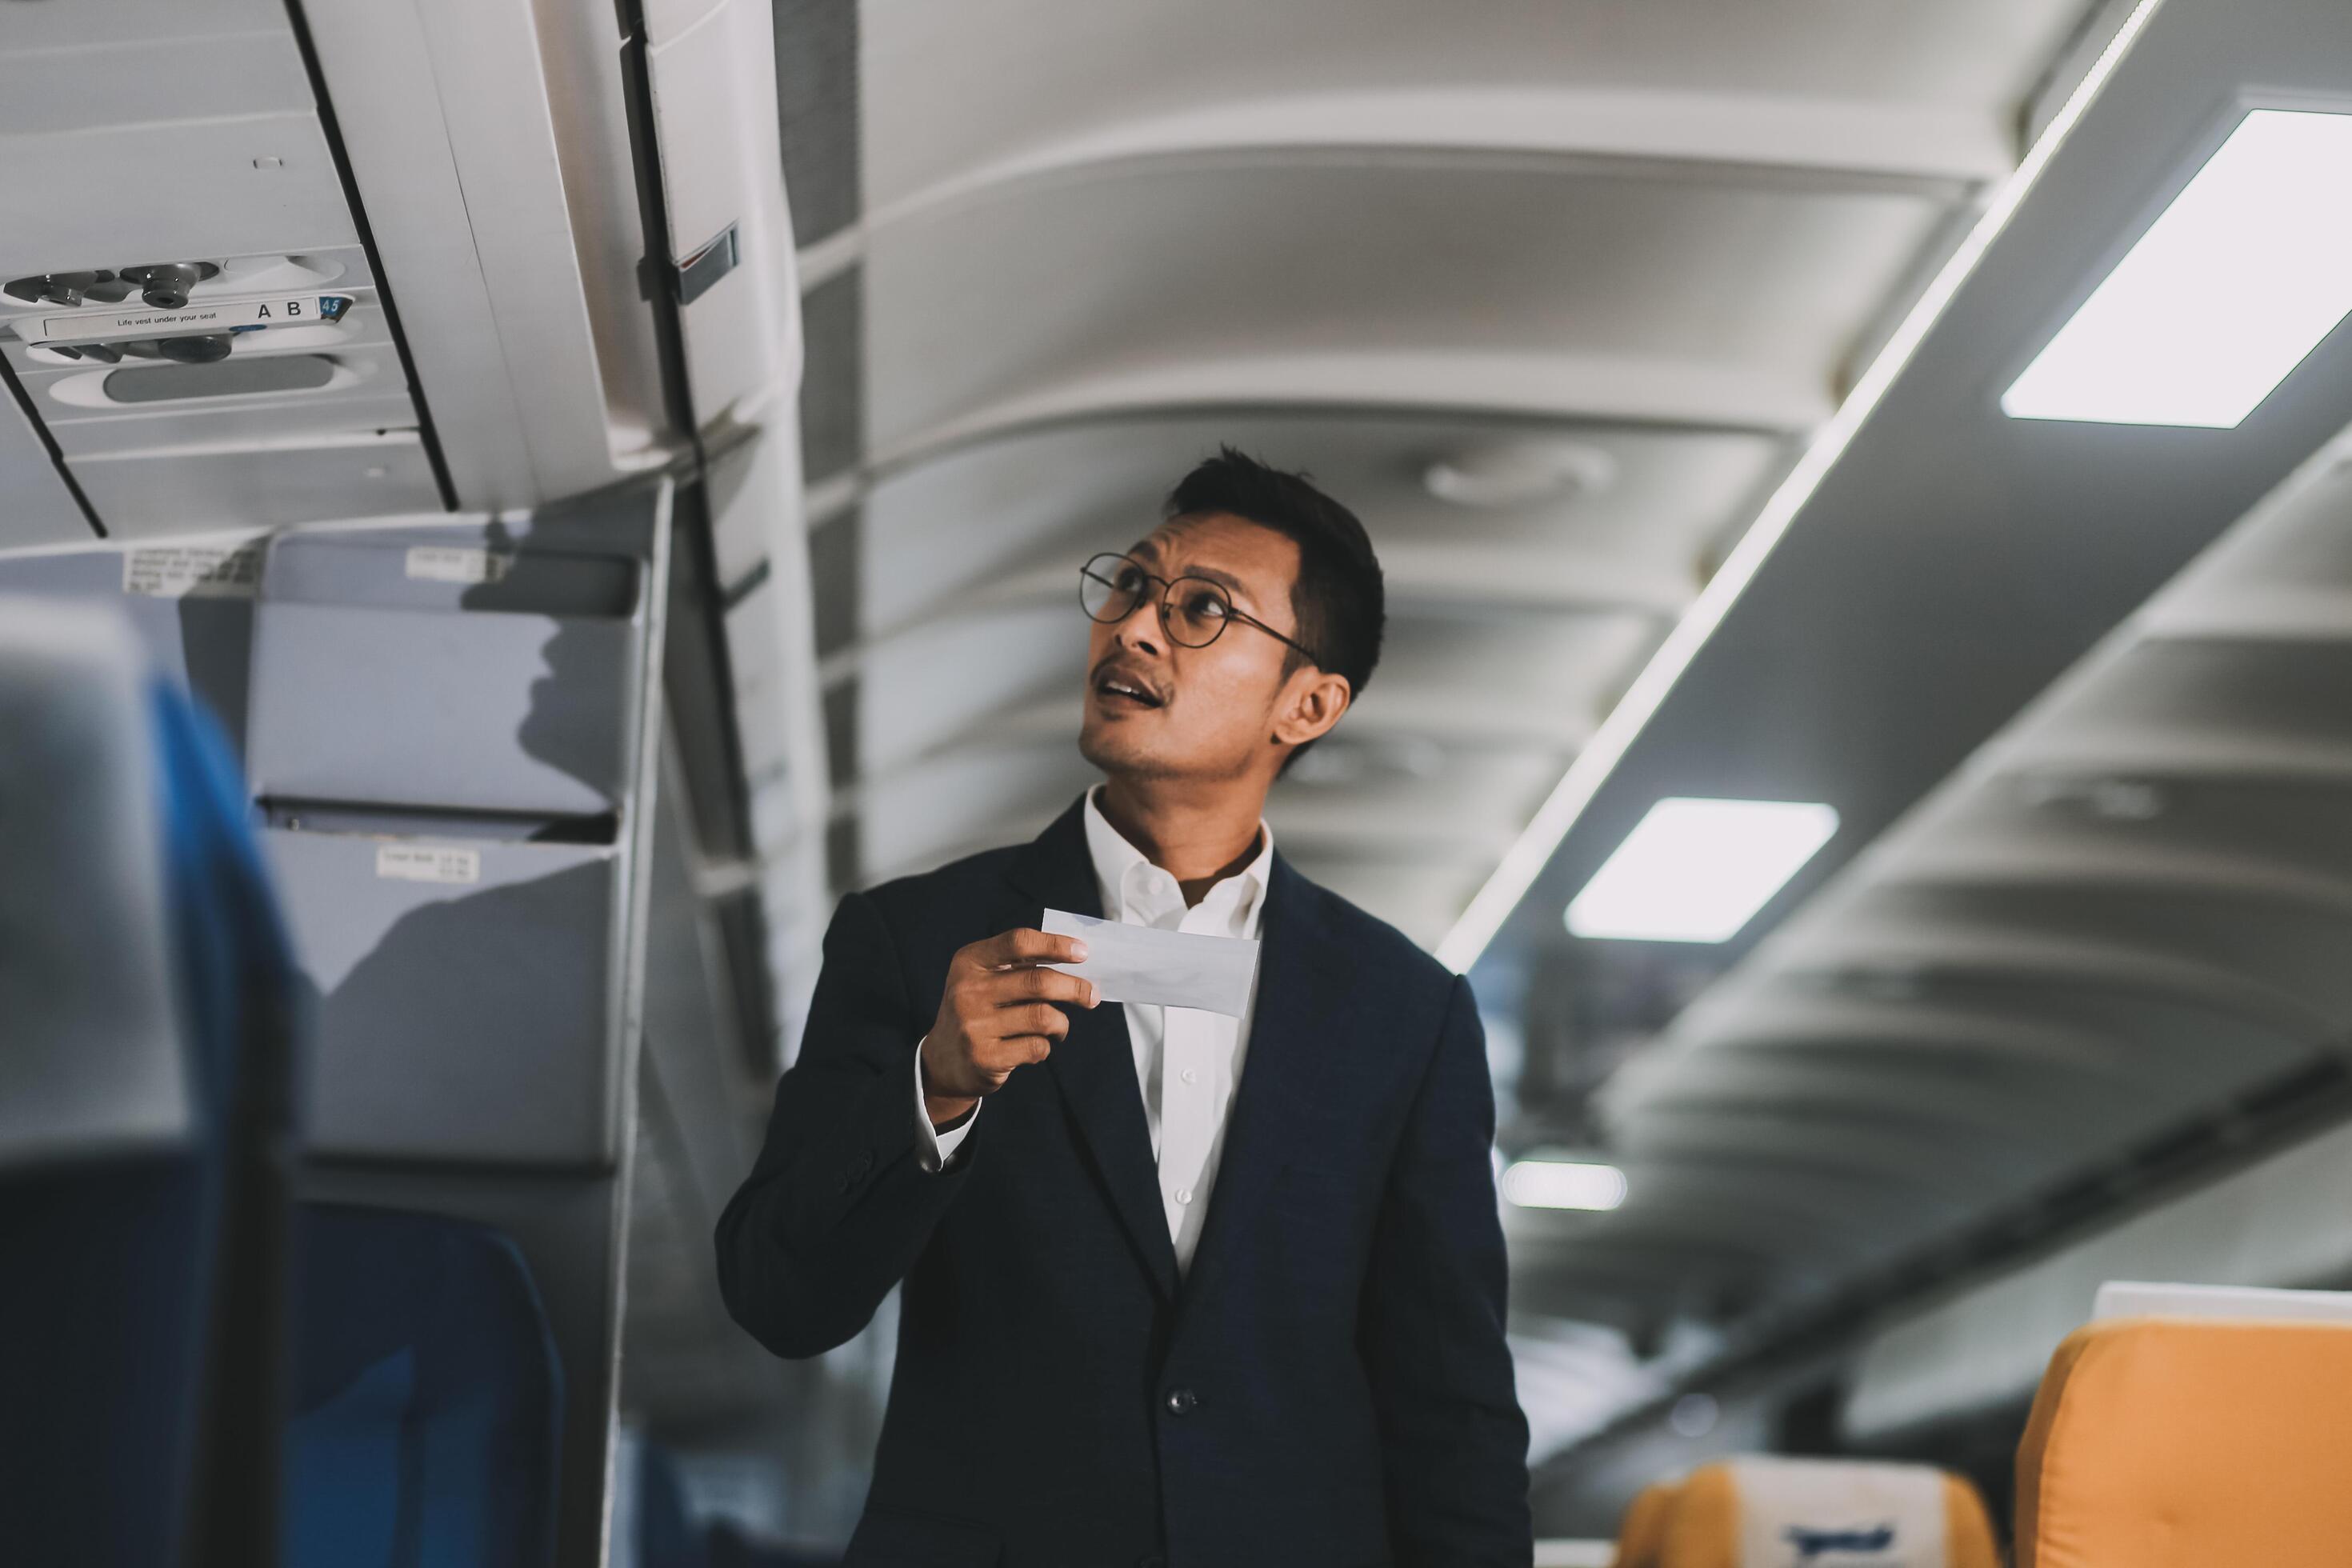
[(464, 990), (445, 735), (462, 677)]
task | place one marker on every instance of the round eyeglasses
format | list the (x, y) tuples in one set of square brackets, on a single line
[(1194, 610)]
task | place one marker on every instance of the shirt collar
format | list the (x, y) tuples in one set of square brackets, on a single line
[(1119, 865)]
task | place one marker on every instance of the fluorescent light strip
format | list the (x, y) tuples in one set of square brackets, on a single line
[(2226, 292), (1563, 1185), (1591, 766), (1697, 870)]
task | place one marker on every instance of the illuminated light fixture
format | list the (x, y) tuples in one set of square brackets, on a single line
[(1506, 474), (2226, 292), (1563, 1185), (1516, 872), (1696, 870)]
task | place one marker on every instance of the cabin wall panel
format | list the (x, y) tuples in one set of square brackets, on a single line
[(153, 494)]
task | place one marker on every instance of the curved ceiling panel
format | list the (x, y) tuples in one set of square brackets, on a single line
[(953, 86), (1254, 284), (1636, 252), (1372, 240)]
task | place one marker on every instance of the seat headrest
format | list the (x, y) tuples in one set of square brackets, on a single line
[(2160, 1441), (95, 1060), (1763, 1512), (2243, 1303), (1642, 1534)]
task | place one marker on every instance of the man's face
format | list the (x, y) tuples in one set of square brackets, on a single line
[(1204, 713)]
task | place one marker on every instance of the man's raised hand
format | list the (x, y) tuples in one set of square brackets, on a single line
[(998, 1013)]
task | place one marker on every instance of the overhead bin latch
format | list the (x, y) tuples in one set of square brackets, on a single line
[(697, 272)]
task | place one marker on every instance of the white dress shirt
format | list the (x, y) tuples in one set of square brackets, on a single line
[(1187, 1062)]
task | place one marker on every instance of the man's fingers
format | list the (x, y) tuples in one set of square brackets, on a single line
[(1006, 1011), (1017, 1046), (1026, 945), (1031, 1018), (1017, 1051), (1029, 984)]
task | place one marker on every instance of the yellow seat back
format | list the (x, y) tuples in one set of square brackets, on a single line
[(1642, 1534), (2184, 1443), (1769, 1513)]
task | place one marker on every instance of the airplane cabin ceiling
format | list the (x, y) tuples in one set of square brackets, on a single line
[(1053, 256), (1049, 258), (2079, 933)]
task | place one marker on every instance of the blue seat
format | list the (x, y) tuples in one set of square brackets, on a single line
[(728, 1547), (667, 1537), (428, 1398), (139, 1323)]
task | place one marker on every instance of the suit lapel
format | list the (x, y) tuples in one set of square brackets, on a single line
[(1288, 1081), (1094, 1063)]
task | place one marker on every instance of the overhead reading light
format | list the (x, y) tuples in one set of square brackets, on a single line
[(2226, 292), (1563, 1185), (1499, 475), (1695, 870)]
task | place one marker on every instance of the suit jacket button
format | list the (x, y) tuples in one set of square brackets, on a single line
[(1182, 1401)]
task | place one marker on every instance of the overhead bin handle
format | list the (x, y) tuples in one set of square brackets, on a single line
[(695, 274)]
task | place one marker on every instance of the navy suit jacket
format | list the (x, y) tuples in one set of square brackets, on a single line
[(1326, 1384)]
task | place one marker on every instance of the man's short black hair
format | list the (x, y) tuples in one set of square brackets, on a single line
[(1338, 600)]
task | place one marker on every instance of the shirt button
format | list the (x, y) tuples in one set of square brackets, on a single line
[(1190, 1074), (1183, 1195), (1182, 1401)]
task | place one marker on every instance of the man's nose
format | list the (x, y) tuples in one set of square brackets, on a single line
[(1143, 629)]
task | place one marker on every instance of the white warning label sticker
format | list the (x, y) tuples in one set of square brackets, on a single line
[(212, 316), (428, 863), (447, 563), (193, 571)]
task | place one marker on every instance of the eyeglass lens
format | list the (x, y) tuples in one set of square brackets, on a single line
[(1194, 609)]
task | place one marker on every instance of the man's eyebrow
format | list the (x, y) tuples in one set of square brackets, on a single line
[(1227, 579), (1149, 553)]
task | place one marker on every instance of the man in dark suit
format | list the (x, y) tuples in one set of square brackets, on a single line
[(1181, 1288)]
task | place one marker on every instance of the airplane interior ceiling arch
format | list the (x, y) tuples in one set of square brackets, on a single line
[(1392, 244), (1043, 280), (1650, 246), (2112, 933)]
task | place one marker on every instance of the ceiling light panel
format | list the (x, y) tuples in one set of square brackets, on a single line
[(1696, 870), (2226, 292), (1563, 1185)]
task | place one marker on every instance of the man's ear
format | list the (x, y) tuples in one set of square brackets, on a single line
[(1311, 703)]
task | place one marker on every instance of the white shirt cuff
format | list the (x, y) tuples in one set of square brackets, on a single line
[(940, 1145)]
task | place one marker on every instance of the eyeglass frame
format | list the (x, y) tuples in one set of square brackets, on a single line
[(1233, 611)]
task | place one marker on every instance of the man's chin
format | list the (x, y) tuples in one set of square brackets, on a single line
[(1119, 754)]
